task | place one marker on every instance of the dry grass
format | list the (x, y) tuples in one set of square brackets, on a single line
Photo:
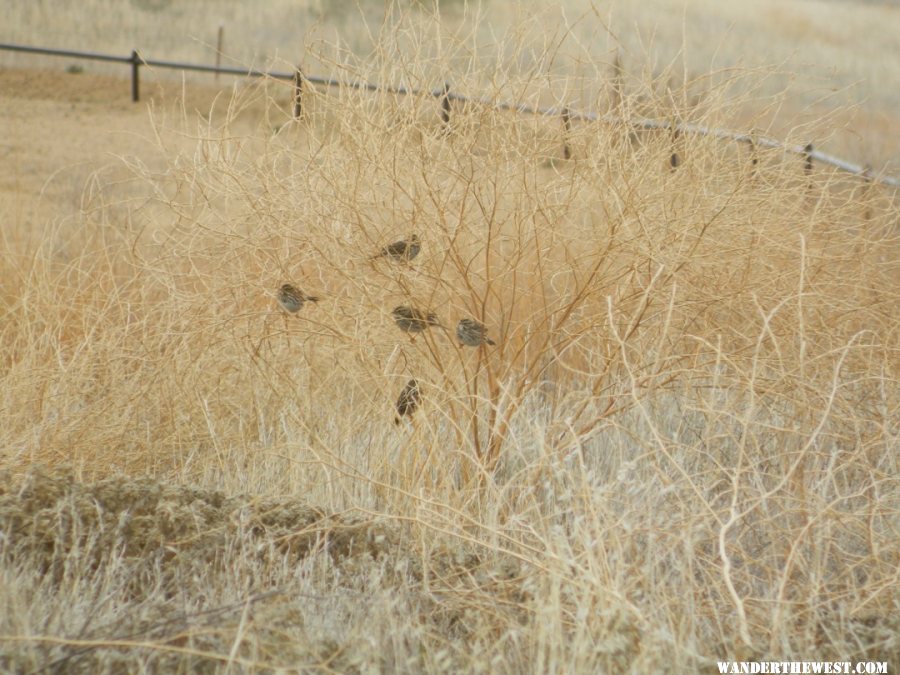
[(682, 449), (837, 58)]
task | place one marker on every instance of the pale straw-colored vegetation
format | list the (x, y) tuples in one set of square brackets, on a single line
[(683, 448)]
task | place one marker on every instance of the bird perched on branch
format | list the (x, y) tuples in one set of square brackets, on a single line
[(408, 400), (412, 320), (472, 333), (401, 251), (292, 298)]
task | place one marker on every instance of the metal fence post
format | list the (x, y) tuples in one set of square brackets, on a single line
[(618, 82), (219, 38), (298, 93), (445, 106), (754, 158), (674, 158), (567, 127), (867, 192), (135, 76)]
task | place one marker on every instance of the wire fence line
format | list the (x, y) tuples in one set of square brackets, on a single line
[(444, 93)]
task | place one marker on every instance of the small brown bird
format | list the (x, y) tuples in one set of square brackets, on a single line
[(472, 333), (408, 400), (412, 320), (401, 251), (292, 298)]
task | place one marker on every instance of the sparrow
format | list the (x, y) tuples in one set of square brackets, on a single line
[(472, 333), (292, 298), (412, 320), (408, 400), (401, 251)]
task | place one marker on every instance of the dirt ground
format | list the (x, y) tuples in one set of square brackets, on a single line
[(60, 128)]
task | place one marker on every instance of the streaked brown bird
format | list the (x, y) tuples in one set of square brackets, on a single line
[(292, 298), (409, 400), (412, 320), (401, 251), (472, 333)]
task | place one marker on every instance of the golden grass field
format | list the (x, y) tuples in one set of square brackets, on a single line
[(682, 449)]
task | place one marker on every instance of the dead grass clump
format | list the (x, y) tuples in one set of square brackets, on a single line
[(51, 520), (141, 562)]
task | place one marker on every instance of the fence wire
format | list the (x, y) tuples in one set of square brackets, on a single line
[(447, 96)]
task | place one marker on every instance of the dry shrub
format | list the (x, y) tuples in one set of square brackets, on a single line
[(686, 433)]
